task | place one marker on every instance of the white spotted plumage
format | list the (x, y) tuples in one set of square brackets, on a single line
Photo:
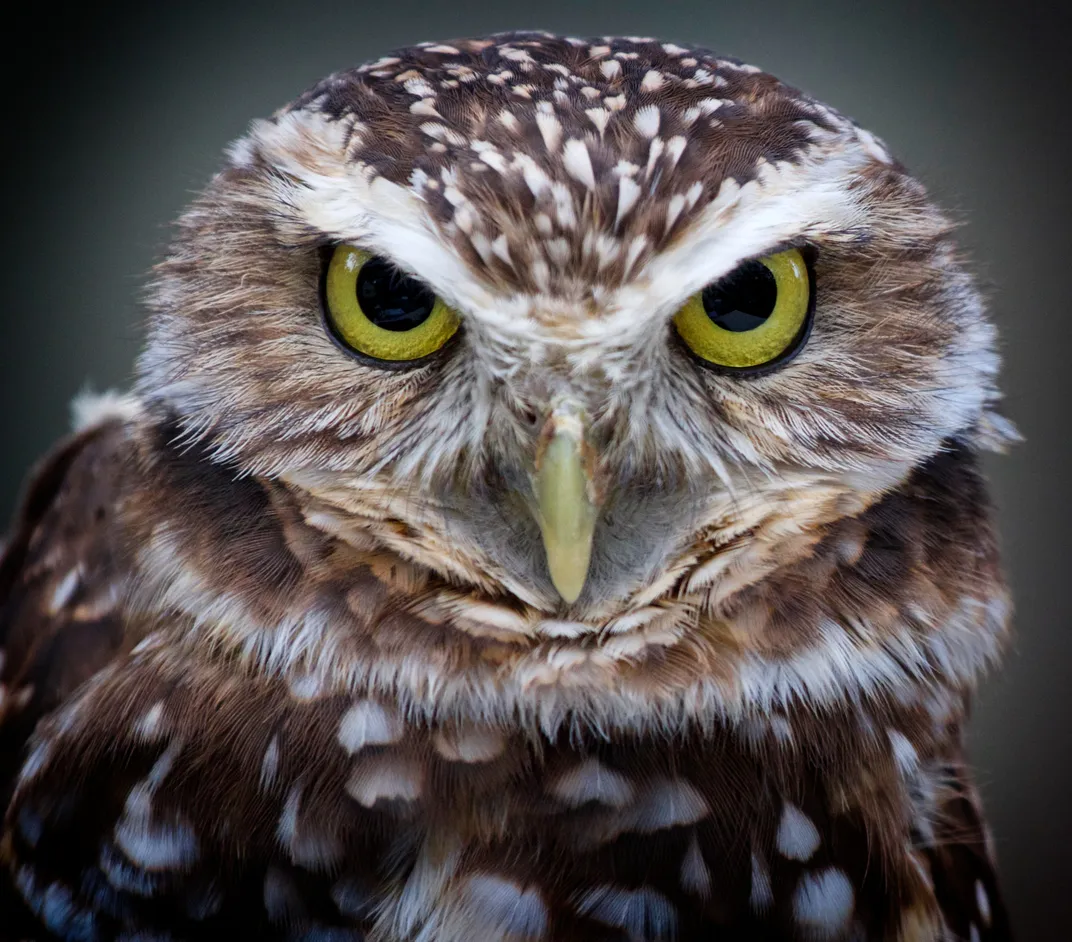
[(282, 648)]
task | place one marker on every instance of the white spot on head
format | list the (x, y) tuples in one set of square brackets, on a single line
[(675, 147), (599, 117), (646, 120), (655, 151), (419, 88), (367, 723), (382, 63), (550, 130), (611, 69), (636, 246), (653, 80), (673, 209), (490, 155), (465, 219), (578, 162), (500, 247), (440, 132), (592, 781), (797, 837), (628, 194), (823, 902), (505, 908), (425, 107), (533, 174), (515, 55), (541, 273)]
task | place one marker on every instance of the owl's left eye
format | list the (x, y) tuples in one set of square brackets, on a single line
[(376, 310), (755, 318)]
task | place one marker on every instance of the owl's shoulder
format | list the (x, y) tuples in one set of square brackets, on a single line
[(62, 575)]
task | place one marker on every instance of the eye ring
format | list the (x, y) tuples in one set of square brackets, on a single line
[(692, 312), (407, 324)]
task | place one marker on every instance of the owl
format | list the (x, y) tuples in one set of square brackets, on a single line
[(549, 508)]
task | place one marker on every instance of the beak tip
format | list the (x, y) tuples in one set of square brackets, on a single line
[(570, 589)]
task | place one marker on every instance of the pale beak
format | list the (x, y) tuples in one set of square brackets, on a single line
[(565, 505)]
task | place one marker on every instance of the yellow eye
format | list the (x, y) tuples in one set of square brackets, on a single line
[(381, 312), (755, 316)]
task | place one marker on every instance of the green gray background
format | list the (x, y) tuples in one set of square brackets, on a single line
[(117, 115)]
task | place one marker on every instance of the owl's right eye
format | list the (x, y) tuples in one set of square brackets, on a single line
[(381, 312)]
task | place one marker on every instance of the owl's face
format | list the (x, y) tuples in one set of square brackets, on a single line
[(682, 308)]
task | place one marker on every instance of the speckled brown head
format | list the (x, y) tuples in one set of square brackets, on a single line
[(566, 198), (550, 509)]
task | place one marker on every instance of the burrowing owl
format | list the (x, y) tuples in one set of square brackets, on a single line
[(549, 510)]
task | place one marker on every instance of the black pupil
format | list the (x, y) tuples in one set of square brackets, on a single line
[(390, 299), (743, 300)]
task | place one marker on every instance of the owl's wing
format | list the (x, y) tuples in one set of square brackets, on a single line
[(59, 581), (172, 798), (960, 853), (111, 742)]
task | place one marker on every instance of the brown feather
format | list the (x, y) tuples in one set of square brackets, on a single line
[(282, 658)]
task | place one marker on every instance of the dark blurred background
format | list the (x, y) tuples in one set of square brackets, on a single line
[(117, 115)]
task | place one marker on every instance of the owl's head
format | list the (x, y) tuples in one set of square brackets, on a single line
[(579, 324)]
